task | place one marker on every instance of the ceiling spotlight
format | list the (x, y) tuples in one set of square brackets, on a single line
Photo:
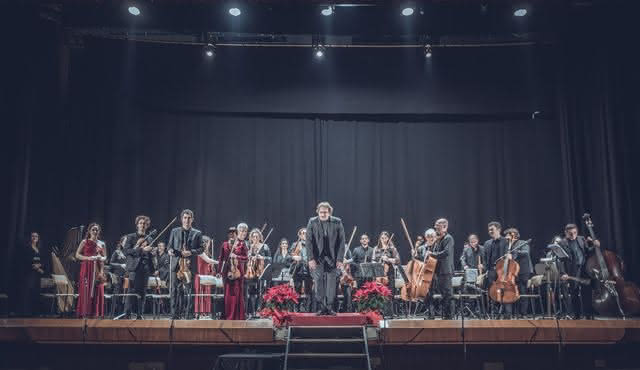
[(134, 10), (235, 12), (327, 11), (210, 50), (520, 12), (428, 52), (318, 51), (407, 11)]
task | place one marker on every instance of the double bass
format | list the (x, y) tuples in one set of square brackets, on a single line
[(419, 274), (505, 289), (611, 294)]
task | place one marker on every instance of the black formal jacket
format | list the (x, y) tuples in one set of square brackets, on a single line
[(523, 257), (443, 252), (192, 244), (571, 266), (314, 244), (469, 257), (135, 255), (491, 253)]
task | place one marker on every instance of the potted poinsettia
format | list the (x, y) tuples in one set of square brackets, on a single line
[(277, 302), (370, 300)]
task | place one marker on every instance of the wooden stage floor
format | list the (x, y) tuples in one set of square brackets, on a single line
[(261, 332)]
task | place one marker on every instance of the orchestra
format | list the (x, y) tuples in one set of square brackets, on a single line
[(499, 276)]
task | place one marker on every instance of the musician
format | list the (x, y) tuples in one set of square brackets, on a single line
[(325, 246), (90, 253), (471, 257), (385, 252), (419, 241), (520, 252), (184, 242), (361, 254), (259, 254), (162, 262), (443, 252), (282, 256), (118, 271), (299, 270), (233, 255), (345, 282), (31, 269), (430, 238), (579, 249), (139, 265), (202, 300), (494, 249)]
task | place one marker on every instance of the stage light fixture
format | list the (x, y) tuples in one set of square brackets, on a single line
[(428, 52), (134, 10), (235, 12), (210, 50), (521, 12), (318, 51), (407, 11), (327, 11)]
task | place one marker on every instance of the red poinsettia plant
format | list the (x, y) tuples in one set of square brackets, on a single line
[(277, 302), (371, 297)]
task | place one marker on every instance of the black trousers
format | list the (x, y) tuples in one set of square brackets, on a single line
[(137, 285), (298, 282), (181, 301), (577, 299), (446, 290), (324, 286)]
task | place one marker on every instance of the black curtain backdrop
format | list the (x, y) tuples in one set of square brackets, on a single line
[(115, 129)]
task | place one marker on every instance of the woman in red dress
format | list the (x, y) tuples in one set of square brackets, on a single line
[(205, 267), (234, 251), (92, 254)]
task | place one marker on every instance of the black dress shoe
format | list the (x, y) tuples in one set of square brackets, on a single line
[(330, 313), (320, 313)]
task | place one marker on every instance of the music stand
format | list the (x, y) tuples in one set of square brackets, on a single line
[(372, 270)]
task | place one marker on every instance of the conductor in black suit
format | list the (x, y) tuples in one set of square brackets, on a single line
[(325, 247), (184, 242)]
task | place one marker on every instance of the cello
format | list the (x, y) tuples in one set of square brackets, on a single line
[(611, 294), (419, 274), (505, 289)]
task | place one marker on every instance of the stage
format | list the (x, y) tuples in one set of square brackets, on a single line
[(472, 343)]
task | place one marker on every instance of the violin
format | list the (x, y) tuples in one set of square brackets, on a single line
[(234, 270), (99, 276), (184, 270)]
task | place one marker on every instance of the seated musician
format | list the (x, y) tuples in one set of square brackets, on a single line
[(202, 300), (579, 249), (519, 252), (162, 263), (299, 270), (259, 257), (385, 252), (419, 253)]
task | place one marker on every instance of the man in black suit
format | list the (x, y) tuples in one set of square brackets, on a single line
[(139, 264), (443, 252), (520, 252), (184, 242), (494, 249), (579, 249), (325, 246)]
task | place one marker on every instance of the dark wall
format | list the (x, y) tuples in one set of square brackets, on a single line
[(116, 129)]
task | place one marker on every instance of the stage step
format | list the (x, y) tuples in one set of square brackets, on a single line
[(343, 347)]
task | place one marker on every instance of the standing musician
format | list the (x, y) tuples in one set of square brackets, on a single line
[(299, 270), (282, 256), (494, 249), (419, 241), (520, 252), (579, 249), (443, 252), (139, 265), (325, 246), (233, 256), (185, 242), (259, 256), (202, 300), (91, 252), (31, 270), (471, 257)]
